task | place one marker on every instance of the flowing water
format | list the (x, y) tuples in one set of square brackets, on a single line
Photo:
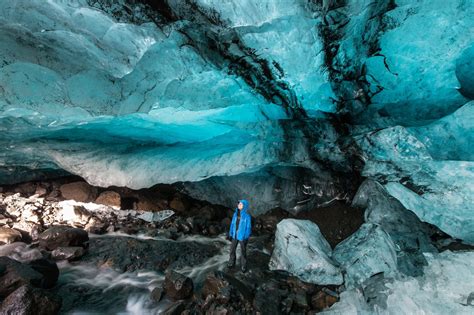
[(90, 289)]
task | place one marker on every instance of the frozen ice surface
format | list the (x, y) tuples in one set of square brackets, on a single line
[(302, 250), (446, 287)]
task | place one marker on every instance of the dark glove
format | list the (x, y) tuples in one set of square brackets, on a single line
[(228, 237)]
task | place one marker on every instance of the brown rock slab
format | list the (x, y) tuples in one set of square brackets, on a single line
[(79, 191), (109, 198), (8, 235)]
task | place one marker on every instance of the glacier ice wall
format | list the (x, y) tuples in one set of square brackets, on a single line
[(144, 99), (289, 103)]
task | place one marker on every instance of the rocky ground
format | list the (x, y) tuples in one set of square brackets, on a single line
[(52, 230)]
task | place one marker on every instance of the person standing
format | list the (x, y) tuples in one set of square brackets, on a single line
[(239, 233)]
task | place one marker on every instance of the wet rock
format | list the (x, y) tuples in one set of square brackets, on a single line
[(265, 294), (68, 253), (176, 308), (48, 269), (131, 254), (27, 300), (109, 198), (79, 191), (14, 274), (301, 249), (29, 230), (300, 301), (216, 286), (177, 286), (323, 299), (157, 294), (8, 235), (63, 236), (20, 252), (6, 250)]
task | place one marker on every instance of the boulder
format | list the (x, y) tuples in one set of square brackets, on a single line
[(177, 286), (29, 230), (178, 204), (20, 252), (265, 294), (302, 250), (109, 198), (157, 294), (14, 274), (217, 286), (68, 253), (74, 213), (63, 236), (48, 269), (8, 235), (365, 253), (26, 189), (27, 300), (79, 191)]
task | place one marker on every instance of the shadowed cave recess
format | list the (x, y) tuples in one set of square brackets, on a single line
[(353, 115)]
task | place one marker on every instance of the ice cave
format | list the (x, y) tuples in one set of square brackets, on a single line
[(237, 157)]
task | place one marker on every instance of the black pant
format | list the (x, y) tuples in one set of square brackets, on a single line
[(243, 249)]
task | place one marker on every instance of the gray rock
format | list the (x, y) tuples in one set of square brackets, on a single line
[(63, 236), (48, 269), (68, 253), (29, 230), (131, 254), (14, 274), (27, 300)]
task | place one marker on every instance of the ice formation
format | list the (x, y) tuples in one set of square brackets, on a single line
[(302, 250), (292, 102), (365, 253), (447, 286)]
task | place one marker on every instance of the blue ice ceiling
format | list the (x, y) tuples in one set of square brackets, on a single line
[(291, 103)]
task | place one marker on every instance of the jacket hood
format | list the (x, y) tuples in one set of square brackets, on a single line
[(246, 205)]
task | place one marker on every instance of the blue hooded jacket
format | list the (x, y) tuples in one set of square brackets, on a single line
[(245, 225)]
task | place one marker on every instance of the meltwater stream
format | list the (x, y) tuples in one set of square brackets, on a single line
[(87, 288)]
